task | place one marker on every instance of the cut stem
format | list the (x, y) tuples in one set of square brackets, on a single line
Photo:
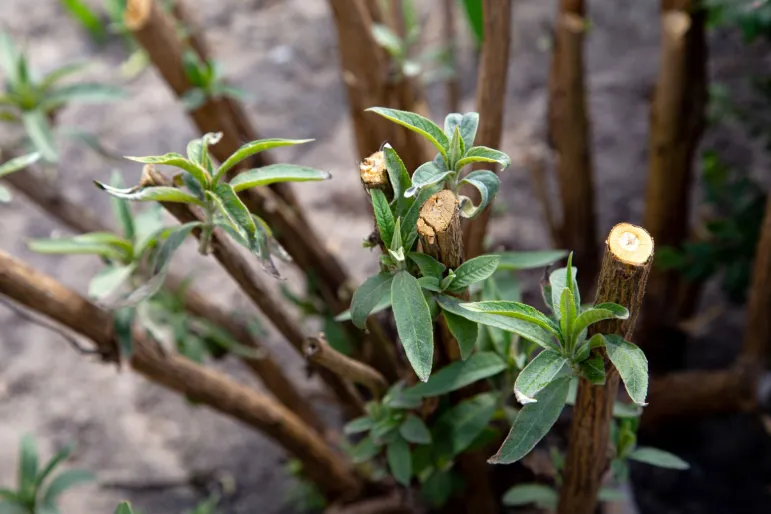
[(318, 351)]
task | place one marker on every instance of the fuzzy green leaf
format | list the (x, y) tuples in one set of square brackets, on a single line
[(383, 304), (455, 150), (567, 312), (18, 163), (82, 92), (413, 323), (151, 194), (66, 480), (57, 459), (516, 310), (468, 128), (9, 57), (487, 183), (631, 364), (546, 367), (198, 150), (124, 508), (459, 374), (274, 173), (409, 225), (108, 280), (122, 209), (458, 428), (416, 123), (593, 369), (39, 131), (656, 457), (597, 313), (358, 425), (483, 154), (398, 175), (253, 148), (529, 260), (237, 211), (558, 282), (464, 331), (399, 460), (430, 284), (28, 465), (533, 422), (79, 245), (375, 290), (413, 430), (426, 175), (429, 267), (178, 161), (540, 495), (383, 216), (473, 271)]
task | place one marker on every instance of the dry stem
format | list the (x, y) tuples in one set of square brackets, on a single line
[(318, 351)]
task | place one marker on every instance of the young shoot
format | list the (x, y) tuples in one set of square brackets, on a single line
[(207, 82)]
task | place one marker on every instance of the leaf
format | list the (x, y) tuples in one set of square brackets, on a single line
[(483, 154), (459, 374), (9, 57), (455, 150), (275, 173), (451, 121), (529, 260), (464, 331), (660, 458), (122, 209), (398, 175), (108, 280), (387, 38), (597, 313), (546, 367), (607, 494), (28, 465), (371, 293), (193, 98), (426, 175), (78, 246), (515, 310), (178, 161), (151, 194), (430, 284), (413, 323), (416, 123), (236, 211), (198, 149), (362, 424), (5, 194), (567, 314), (253, 148), (487, 183), (82, 92), (399, 460), (66, 480), (18, 163), (458, 428), (533, 422), (524, 329), (57, 459), (86, 17), (413, 430), (12, 508), (541, 495), (593, 369), (124, 508), (475, 18), (383, 304), (429, 267), (51, 78), (383, 216), (39, 131), (468, 128), (364, 451), (631, 364), (473, 271), (558, 282)]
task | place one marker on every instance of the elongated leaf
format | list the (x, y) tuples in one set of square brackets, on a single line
[(372, 292), (451, 121), (459, 427), (567, 312), (529, 260), (358, 425), (124, 508), (656, 457), (9, 57), (426, 175), (413, 323), (413, 430), (399, 460), (483, 154), (541, 495), (398, 176), (533, 422), (198, 150), (487, 183), (522, 328), (39, 131), (598, 313), (558, 282), (546, 367), (66, 480), (18, 163), (459, 374), (430, 284), (253, 148), (122, 209), (151, 194), (274, 173), (455, 150), (383, 304), (364, 451), (57, 459), (108, 280), (631, 364), (468, 128), (514, 310), (28, 464), (51, 78), (416, 123), (383, 216), (236, 210), (86, 17), (178, 161), (475, 18), (593, 369), (78, 246), (429, 267), (464, 331), (82, 92), (473, 271)]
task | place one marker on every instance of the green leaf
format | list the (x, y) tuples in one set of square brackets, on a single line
[(178, 161), (544, 369), (124, 508), (387, 38), (372, 292), (541, 495), (57, 459), (413, 430), (86, 17), (567, 313), (358, 425), (12, 508), (451, 122), (533, 422), (28, 465), (398, 175), (483, 154), (123, 320), (475, 18), (397, 398), (607, 494), (529, 260), (459, 427), (558, 282), (66, 480), (108, 280), (51, 78), (122, 209), (399, 460), (5, 194), (253, 148), (147, 224), (464, 331), (416, 123), (236, 211), (275, 173), (18, 163), (468, 128), (193, 98), (656, 457), (413, 323), (151, 194), (487, 183), (597, 313), (522, 328), (383, 216), (426, 175), (515, 310), (455, 150), (593, 369), (473, 271), (429, 267), (81, 245), (459, 374), (631, 364), (39, 131), (82, 92), (383, 304), (198, 149), (9, 57), (364, 451)]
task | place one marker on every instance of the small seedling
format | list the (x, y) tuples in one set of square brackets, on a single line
[(207, 82)]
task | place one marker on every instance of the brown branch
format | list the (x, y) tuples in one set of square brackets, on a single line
[(490, 102), (318, 351), (757, 339), (439, 229), (45, 295), (569, 129), (622, 280)]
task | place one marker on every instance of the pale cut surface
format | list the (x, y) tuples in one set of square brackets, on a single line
[(630, 244)]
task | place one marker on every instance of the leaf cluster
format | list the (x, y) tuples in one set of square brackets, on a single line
[(206, 80)]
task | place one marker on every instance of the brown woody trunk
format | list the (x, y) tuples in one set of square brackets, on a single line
[(490, 102), (45, 295), (622, 280)]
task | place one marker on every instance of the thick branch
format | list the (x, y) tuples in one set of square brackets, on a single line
[(490, 102), (622, 280), (45, 295), (318, 351), (757, 339), (439, 229)]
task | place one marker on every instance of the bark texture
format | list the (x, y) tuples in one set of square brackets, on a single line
[(439, 229), (318, 351)]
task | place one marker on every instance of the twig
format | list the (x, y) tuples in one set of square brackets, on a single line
[(318, 351)]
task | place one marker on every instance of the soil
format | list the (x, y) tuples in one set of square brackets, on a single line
[(142, 440)]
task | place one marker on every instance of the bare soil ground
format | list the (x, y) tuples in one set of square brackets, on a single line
[(284, 54)]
